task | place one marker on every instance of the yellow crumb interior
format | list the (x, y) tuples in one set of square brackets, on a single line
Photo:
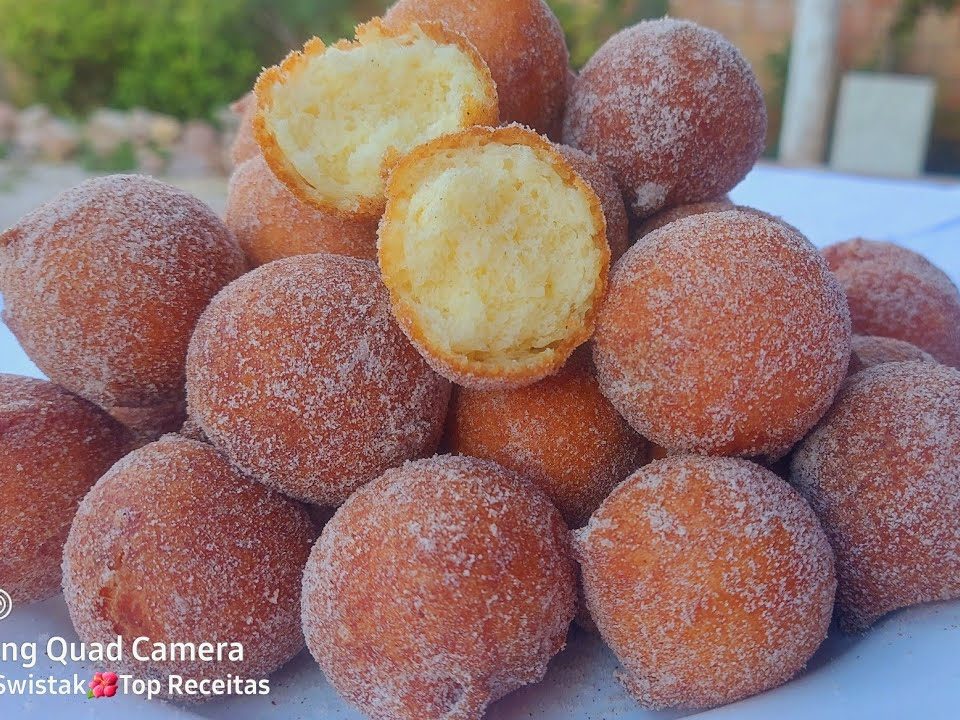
[(337, 115), (495, 253)]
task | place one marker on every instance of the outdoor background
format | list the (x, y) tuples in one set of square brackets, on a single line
[(144, 85)]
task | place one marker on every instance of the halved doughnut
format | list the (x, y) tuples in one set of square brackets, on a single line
[(329, 117), (495, 254)]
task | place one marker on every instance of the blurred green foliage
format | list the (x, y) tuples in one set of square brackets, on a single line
[(189, 57)]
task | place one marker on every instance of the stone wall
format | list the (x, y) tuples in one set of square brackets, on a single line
[(762, 28)]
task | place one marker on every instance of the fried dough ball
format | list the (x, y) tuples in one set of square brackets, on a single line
[(150, 423), (271, 223), (673, 109), (521, 41), (897, 293), (882, 471), (562, 433), (723, 334), (53, 447), (495, 254), (478, 604), (665, 217), (870, 350), (331, 119), (102, 286), (244, 145), (709, 578), (175, 545), (299, 375), (603, 184)]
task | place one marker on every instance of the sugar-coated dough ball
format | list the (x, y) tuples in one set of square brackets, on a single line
[(437, 589), (53, 448), (599, 178), (723, 334), (103, 284), (244, 145), (869, 350), (673, 109), (270, 222), (897, 293), (521, 41), (709, 578), (173, 544), (882, 471), (495, 253), (562, 433), (299, 374)]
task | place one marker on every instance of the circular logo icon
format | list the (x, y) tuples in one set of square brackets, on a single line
[(6, 603)]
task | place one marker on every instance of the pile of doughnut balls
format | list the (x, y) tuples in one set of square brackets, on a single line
[(409, 332)]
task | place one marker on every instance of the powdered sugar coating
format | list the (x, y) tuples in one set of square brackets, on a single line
[(437, 589), (53, 448), (673, 109), (103, 284), (882, 471), (599, 178), (522, 43), (300, 375), (723, 333), (561, 432), (270, 222), (709, 578), (895, 292), (870, 350), (173, 544)]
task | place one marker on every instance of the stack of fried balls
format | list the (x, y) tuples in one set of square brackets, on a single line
[(500, 322)]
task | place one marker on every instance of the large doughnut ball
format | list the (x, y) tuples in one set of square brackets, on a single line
[(673, 109), (869, 350), (270, 222), (709, 578), (562, 433), (300, 375), (437, 589), (883, 473), (895, 292), (615, 212), (174, 545), (103, 285), (53, 448), (522, 43), (723, 334)]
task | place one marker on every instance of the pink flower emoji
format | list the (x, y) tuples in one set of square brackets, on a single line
[(103, 685)]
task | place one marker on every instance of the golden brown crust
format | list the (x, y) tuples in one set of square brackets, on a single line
[(474, 113), (456, 368)]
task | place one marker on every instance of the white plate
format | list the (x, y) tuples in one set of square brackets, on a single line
[(908, 665)]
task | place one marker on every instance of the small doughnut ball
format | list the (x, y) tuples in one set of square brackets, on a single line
[(102, 286), (709, 578), (478, 604), (562, 433), (244, 144), (603, 184), (522, 43), (270, 222), (298, 373), (882, 471), (53, 448), (173, 544), (673, 109), (148, 424), (665, 217), (897, 293), (869, 350), (723, 334)]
